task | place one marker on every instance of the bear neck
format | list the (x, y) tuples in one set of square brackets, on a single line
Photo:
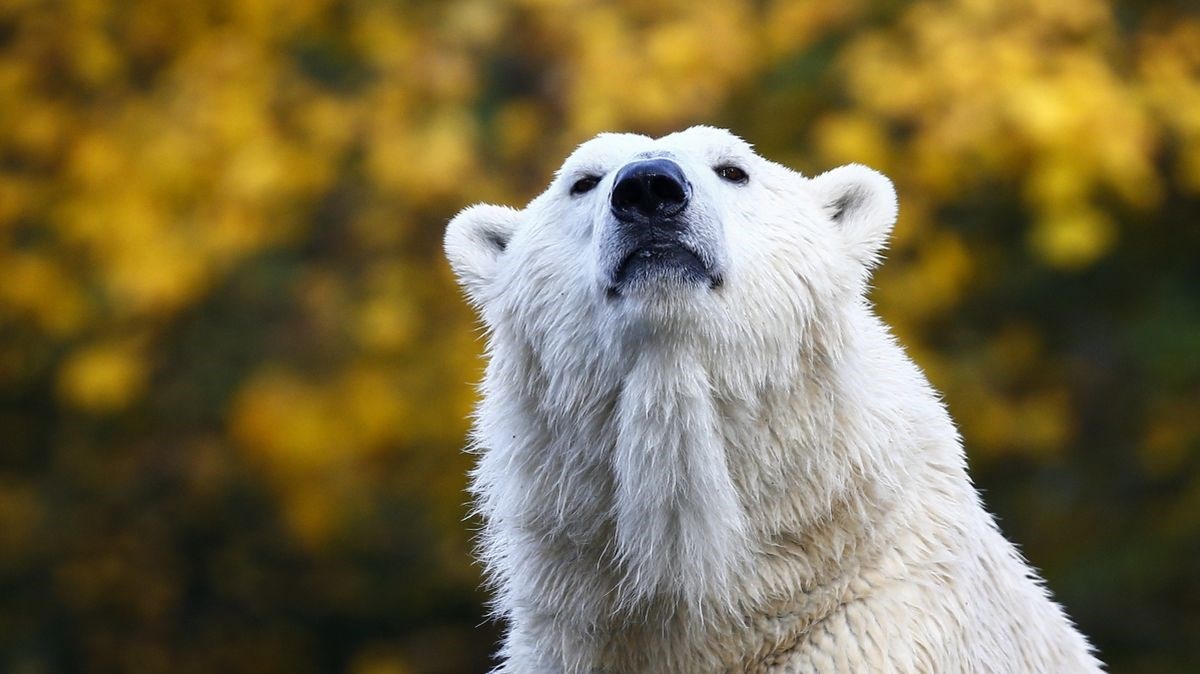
[(657, 488), (678, 524)]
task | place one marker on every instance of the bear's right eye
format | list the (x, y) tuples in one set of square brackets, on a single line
[(584, 184)]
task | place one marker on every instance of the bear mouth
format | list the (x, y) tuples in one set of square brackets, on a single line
[(662, 263)]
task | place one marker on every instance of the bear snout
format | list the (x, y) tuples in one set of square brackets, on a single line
[(653, 238), (652, 188)]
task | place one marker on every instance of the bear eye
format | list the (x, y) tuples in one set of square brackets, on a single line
[(584, 184), (732, 173)]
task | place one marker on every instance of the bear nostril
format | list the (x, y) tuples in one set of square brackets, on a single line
[(666, 190), (627, 195), (651, 188)]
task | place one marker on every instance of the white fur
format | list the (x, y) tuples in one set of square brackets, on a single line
[(752, 478)]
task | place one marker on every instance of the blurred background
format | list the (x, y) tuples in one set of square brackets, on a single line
[(235, 371)]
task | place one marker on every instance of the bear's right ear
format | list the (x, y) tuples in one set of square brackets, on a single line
[(475, 240)]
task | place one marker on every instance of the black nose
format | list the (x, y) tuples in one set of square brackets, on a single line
[(651, 188)]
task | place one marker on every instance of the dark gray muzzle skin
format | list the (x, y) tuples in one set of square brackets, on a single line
[(653, 237)]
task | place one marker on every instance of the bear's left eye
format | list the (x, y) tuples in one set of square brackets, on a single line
[(584, 184), (732, 173)]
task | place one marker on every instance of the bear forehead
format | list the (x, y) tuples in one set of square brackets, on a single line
[(607, 150)]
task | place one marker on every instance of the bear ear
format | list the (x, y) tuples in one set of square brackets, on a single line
[(862, 203), (475, 241)]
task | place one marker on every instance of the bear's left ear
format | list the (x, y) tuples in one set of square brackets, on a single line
[(475, 241), (862, 204)]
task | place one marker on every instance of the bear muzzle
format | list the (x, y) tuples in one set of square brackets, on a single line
[(652, 241)]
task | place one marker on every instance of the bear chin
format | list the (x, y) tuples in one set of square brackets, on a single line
[(662, 267)]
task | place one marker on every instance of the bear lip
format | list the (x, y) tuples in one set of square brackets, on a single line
[(662, 262)]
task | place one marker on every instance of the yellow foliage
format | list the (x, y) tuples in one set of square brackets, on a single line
[(312, 439), (103, 377), (1169, 66), (38, 289), (793, 25), (422, 161), (385, 323), (1073, 238), (519, 127), (301, 427), (853, 137), (1033, 426), (625, 72), (933, 282), (998, 84)]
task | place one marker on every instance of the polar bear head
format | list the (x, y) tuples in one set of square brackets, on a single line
[(691, 236), (653, 282)]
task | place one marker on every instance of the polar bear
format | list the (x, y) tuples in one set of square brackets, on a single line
[(699, 448)]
